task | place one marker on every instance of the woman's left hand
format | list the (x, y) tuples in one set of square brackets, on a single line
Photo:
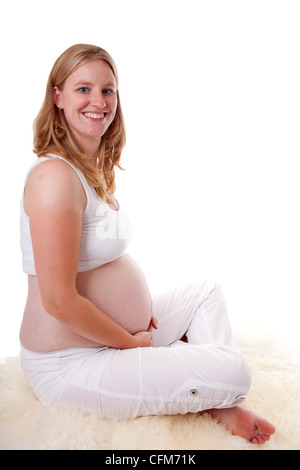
[(153, 323)]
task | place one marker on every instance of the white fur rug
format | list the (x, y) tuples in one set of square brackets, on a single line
[(275, 394)]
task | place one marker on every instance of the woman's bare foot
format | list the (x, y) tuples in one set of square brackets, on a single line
[(243, 422)]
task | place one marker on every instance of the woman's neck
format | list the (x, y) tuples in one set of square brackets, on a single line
[(91, 149)]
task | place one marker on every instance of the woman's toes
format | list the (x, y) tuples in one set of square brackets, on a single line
[(260, 439)]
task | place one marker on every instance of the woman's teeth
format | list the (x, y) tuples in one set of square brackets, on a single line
[(94, 115)]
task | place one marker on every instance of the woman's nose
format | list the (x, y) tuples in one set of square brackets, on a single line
[(98, 100)]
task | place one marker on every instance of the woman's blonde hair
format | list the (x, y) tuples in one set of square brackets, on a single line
[(52, 133)]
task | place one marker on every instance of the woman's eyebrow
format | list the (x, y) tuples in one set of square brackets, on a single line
[(83, 83)]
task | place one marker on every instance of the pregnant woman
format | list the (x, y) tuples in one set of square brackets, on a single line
[(92, 336)]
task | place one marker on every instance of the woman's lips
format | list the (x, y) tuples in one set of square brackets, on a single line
[(97, 116)]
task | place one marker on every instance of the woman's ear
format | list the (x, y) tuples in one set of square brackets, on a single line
[(58, 97)]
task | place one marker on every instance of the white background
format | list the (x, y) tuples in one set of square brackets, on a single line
[(210, 94)]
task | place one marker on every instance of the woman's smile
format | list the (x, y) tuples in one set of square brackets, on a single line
[(95, 116)]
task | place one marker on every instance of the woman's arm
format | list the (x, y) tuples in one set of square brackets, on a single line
[(54, 201)]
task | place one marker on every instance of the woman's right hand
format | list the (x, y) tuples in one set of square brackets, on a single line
[(144, 339)]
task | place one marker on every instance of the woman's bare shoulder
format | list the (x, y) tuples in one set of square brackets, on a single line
[(53, 168), (53, 180)]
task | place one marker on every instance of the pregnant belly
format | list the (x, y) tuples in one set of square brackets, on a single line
[(119, 289)]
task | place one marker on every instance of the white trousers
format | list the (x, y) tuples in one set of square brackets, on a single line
[(172, 377)]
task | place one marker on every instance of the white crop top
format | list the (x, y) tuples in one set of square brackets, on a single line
[(105, 233)]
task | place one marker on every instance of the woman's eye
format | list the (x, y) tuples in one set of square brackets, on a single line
[(83, 89), (107, 91)]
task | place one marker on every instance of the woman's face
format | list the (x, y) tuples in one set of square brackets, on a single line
[(89, 102)]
